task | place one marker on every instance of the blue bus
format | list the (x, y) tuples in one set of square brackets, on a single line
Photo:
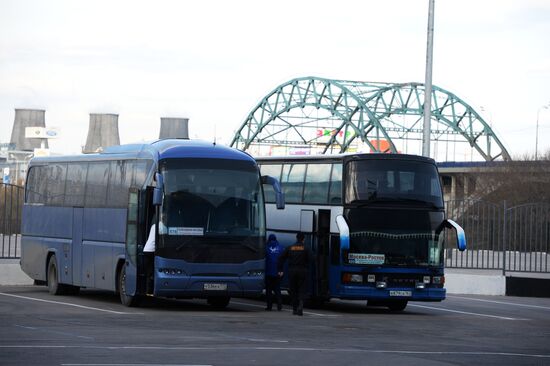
[(375, 223), (86, 219)]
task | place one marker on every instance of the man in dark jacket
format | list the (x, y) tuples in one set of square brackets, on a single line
[(298, 256), (272, 279)]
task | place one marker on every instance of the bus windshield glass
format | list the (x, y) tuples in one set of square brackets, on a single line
[(213, 211), (387, 180)]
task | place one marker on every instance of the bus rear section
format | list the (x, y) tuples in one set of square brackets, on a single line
[(382, 240)]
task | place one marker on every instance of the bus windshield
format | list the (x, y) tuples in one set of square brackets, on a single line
[(213, 211), (386, 180)]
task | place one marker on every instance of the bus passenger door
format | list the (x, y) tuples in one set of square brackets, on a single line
[(132, 223), (322, 257)]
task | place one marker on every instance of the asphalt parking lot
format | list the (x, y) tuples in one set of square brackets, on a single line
[(94, 329)]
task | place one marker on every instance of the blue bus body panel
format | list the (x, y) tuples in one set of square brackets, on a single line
[(105, 224), (194, 275), (85, 242)]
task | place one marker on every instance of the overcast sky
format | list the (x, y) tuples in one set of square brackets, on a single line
[(212, 61)]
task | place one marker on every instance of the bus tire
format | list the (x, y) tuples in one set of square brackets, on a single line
[(399, 305), (126, 300), (54, 287), (218, 302)]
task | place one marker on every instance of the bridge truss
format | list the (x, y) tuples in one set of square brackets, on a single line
[(313, 115)]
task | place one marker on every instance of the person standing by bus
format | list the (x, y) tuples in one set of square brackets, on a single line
[(298, 256), (272, 279)]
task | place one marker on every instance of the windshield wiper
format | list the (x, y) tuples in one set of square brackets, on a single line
[(414, 200)]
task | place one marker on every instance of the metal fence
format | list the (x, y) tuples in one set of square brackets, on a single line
[(511, 239), (11, 204)]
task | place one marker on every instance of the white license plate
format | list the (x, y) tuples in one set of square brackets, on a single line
[(401, 293), (215, 286)]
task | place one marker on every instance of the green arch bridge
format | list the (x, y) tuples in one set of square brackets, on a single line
[(312, 115)]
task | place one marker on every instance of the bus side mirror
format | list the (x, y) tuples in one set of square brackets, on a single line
[(279, 194), (157, 191), (343, 228), (460, 235)]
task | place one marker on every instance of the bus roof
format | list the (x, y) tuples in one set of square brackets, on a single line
[(156, 150), (350, 156)]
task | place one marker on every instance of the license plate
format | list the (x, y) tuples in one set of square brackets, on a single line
[(215, 286), (401, 293)]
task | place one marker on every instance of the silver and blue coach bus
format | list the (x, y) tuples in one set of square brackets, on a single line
[(86, 219), (375, 224)]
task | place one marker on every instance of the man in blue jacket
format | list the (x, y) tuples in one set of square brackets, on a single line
[(272, 278)]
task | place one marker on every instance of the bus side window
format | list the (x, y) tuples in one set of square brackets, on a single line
[(335, 193), (293, 182), (42, 185), (96, 184), (76, 184), (31, 185), (317, 183), (56, 175), (121, 178), (142, 168)]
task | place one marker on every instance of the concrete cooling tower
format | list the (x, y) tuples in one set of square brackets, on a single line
[(27, 118), (103, 132), (174, 128)]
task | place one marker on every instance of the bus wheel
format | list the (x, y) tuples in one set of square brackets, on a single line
[(126, 300), (218, 302), (54, 287), (397, 305)]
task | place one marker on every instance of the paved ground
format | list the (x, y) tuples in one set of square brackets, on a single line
[(94, 329)]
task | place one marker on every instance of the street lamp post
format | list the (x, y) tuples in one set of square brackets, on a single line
[(546, 106)]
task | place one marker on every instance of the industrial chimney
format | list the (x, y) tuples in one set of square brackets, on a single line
[(103, 132), (174, 128), (28, 118)]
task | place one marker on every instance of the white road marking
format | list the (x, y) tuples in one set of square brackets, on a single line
[(127, 364), (305, 312), (298, 349), (501, 302), (69, 304), (53, 331), (465, 312)]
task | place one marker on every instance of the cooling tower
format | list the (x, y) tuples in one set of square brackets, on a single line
[(103, 132), (27, 118), (174, 128)]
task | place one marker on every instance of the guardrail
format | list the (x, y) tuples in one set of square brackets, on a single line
[(511, 239)]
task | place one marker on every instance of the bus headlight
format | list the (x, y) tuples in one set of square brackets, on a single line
[(352, 278), (171, 271), (426, 279), (255, 273)]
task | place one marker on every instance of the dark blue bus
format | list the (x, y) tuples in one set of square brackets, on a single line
[(86, 219), (375, 224)]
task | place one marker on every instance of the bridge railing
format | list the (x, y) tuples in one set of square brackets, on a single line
[(511, 239)]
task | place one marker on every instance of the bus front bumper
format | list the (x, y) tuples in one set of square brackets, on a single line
[(208, 286), (372, 293)]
